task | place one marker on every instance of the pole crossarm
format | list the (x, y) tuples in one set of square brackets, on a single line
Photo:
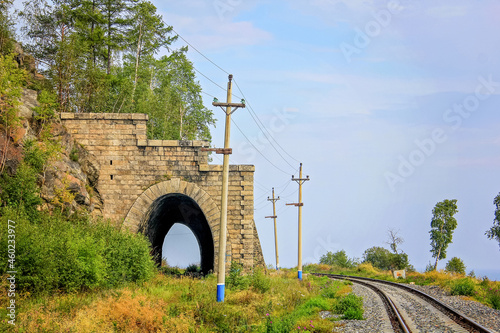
[(272, 217), (236, 106), (300, 204), (300, 181), (223, 151)]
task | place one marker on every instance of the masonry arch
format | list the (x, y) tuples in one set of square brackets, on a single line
[(162, 205)]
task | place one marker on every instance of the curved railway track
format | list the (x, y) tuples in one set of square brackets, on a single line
[(411, 311)]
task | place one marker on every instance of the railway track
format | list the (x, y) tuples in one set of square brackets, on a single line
[(409, 310)]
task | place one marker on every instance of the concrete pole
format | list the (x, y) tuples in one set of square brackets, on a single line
[(299, 181), (299, 266), (221, 275), (275, 230)]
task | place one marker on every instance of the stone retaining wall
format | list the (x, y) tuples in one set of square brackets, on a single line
[(134, 171)]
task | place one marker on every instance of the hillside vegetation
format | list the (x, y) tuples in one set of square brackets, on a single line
[(258, 302), (479, 289)]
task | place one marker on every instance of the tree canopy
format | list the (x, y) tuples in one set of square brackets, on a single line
[(102, 56), (338, 258), (455, 265), (442, 226), (384, 259), (494, 231)]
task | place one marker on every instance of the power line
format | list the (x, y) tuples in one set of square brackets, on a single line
[(252, 113), (209, 79), (263, 127), (274, 165), (207, 94), (204, 56)]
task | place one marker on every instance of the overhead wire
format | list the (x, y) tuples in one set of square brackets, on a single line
[(254, 115), (264, 129), (209, 79), (213, 63), (203, 92), (278, 168)]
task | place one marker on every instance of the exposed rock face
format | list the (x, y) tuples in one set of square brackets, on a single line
[(29, 102), (72, 180), (24, 60)]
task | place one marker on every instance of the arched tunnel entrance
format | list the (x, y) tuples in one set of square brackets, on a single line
[(173, 208)]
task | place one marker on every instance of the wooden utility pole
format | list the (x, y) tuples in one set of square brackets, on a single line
[(273, 200), (299, 181), (221, 275)]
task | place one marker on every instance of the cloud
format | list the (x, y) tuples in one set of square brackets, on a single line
[(467, 162), (209, 33), (447, 11)]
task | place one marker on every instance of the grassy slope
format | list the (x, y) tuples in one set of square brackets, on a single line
[(277, 302), (481, 290)]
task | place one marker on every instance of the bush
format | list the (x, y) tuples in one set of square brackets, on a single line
[(494, 298), (193, 268), (383, 259), (455, 265), (167, 270), (58, 253), (338, 258), (260, 281), (236, 279), (463, 287), (350, 306), (73, 155)]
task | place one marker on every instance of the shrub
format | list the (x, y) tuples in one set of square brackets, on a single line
[(260, 281), (455, 265), (464, 287), (193, 268), (58, 253), (338, 258), (383, 259), (236, 279), (494, 298), (73, 155), (167, 270), (350, 306)]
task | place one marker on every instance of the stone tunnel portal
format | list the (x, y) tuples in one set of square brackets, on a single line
[(173, 208)]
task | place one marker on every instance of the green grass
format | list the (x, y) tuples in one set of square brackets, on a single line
[(271, 302), (480, 290)]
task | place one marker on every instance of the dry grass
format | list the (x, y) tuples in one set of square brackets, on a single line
[(167, 304), (483, 290)]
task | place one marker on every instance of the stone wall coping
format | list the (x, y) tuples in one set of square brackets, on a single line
[(218, 168), (172, 143), (105, 116)]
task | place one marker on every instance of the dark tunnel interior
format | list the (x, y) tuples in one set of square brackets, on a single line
[(178, 208)]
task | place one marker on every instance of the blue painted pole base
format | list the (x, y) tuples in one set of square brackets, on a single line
[(300, 275), (220, 292)]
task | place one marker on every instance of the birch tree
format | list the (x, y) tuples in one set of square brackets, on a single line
[(494, 231), (442, 226)]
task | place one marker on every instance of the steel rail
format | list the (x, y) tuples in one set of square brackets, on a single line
[(455, 315), (397, 319)]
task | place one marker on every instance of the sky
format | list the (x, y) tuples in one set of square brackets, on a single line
[(391, 106)]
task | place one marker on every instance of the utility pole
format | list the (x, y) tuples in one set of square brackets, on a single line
[(273, 200), (221, 275), (299, 181)]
